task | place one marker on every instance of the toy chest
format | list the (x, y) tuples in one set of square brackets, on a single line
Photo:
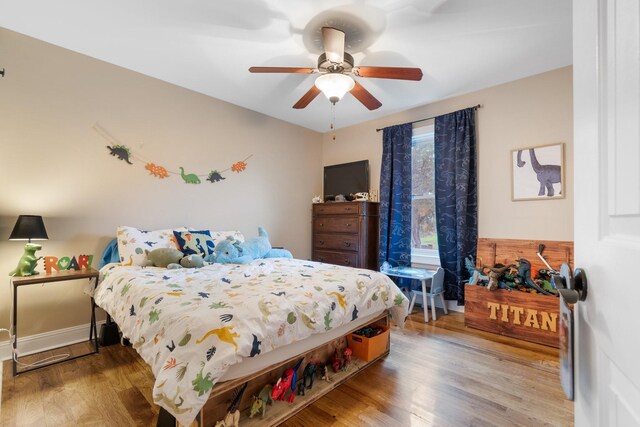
[(367, 349), (521, 315), (514, 314)]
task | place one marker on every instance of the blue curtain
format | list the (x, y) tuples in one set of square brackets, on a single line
[(395, 196), (456, 196)]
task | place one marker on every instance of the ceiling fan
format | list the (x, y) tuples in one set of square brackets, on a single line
[(336, 68)]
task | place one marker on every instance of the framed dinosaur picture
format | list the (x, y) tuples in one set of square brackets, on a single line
[(537, 173)]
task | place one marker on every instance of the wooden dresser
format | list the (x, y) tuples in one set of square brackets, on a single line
[(346, 233)]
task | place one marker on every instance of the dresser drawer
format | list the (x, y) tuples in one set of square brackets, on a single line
[(341, 242), (338, 208), (335, 224), (348, 259)]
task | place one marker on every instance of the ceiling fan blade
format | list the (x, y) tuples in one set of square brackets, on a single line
[(281, 70), (398, 73), (307, 98), (333, 42), (365, 97)]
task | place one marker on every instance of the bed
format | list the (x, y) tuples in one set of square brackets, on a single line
[(197, 327)]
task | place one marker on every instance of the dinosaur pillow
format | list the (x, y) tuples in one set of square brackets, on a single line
[(195, 242), (132, 243), (219, 236)]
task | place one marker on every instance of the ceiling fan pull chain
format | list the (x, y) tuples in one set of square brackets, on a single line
[(333, 119)]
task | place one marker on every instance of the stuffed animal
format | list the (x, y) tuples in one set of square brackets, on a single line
[(172, 258), (231, 251), (162, 257), (278, 253), (190, 261)]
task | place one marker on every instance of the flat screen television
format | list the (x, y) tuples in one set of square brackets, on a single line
[(346, 179)]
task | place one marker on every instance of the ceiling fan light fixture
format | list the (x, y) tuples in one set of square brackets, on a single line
[(334, 85)]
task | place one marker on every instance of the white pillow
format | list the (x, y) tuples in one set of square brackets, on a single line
[(132, 243), (219, 236)]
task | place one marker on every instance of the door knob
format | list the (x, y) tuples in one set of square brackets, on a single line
[(572, 286)]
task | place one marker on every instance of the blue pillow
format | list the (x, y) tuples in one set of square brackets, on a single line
[(110, 254), (195, 242)]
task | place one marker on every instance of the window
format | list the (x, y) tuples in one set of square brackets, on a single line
[(424, 240)]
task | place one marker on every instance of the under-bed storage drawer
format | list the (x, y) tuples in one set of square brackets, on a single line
[(339, 258), (341, 242)]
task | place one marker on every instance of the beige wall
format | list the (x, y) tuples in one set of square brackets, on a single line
[(529, 112), (53, 163)]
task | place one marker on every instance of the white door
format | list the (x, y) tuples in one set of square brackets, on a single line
[(606, 57)]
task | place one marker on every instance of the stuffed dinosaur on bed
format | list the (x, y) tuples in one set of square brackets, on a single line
[(172, 258), (231, 251)]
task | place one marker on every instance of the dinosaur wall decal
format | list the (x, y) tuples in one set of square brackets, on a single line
[(190, 178), (547, 174), (121, 152)]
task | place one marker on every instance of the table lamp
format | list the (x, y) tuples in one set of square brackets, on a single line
[(28, 227)]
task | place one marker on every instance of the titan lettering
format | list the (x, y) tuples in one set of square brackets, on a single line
[(523, 316)]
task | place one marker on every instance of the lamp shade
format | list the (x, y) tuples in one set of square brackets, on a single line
[(334, 85), (29, 227)]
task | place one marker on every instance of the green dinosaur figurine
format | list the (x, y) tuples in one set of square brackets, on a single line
[(27, 264), (260, 402)]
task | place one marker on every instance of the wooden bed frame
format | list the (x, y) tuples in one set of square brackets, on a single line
[(223, 393)]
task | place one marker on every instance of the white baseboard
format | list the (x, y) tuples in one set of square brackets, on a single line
[(451, 305), (47, 341)]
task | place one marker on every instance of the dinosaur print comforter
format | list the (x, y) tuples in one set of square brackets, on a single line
[(190, 325)]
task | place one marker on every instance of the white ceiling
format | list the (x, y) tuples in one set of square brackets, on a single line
[(208, 45)]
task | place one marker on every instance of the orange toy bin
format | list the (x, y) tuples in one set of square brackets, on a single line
[(367, 349)]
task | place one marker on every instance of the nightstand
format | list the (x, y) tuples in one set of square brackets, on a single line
[(18, 282)]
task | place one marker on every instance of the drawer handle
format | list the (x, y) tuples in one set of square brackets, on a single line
[(321, 259), (321, 242), (321, 225), (347, 262), (347, 244), (348, 225)]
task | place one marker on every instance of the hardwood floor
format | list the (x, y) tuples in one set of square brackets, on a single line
[(439, 374)]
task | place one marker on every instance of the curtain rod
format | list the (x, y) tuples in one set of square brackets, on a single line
[(475, 107)]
